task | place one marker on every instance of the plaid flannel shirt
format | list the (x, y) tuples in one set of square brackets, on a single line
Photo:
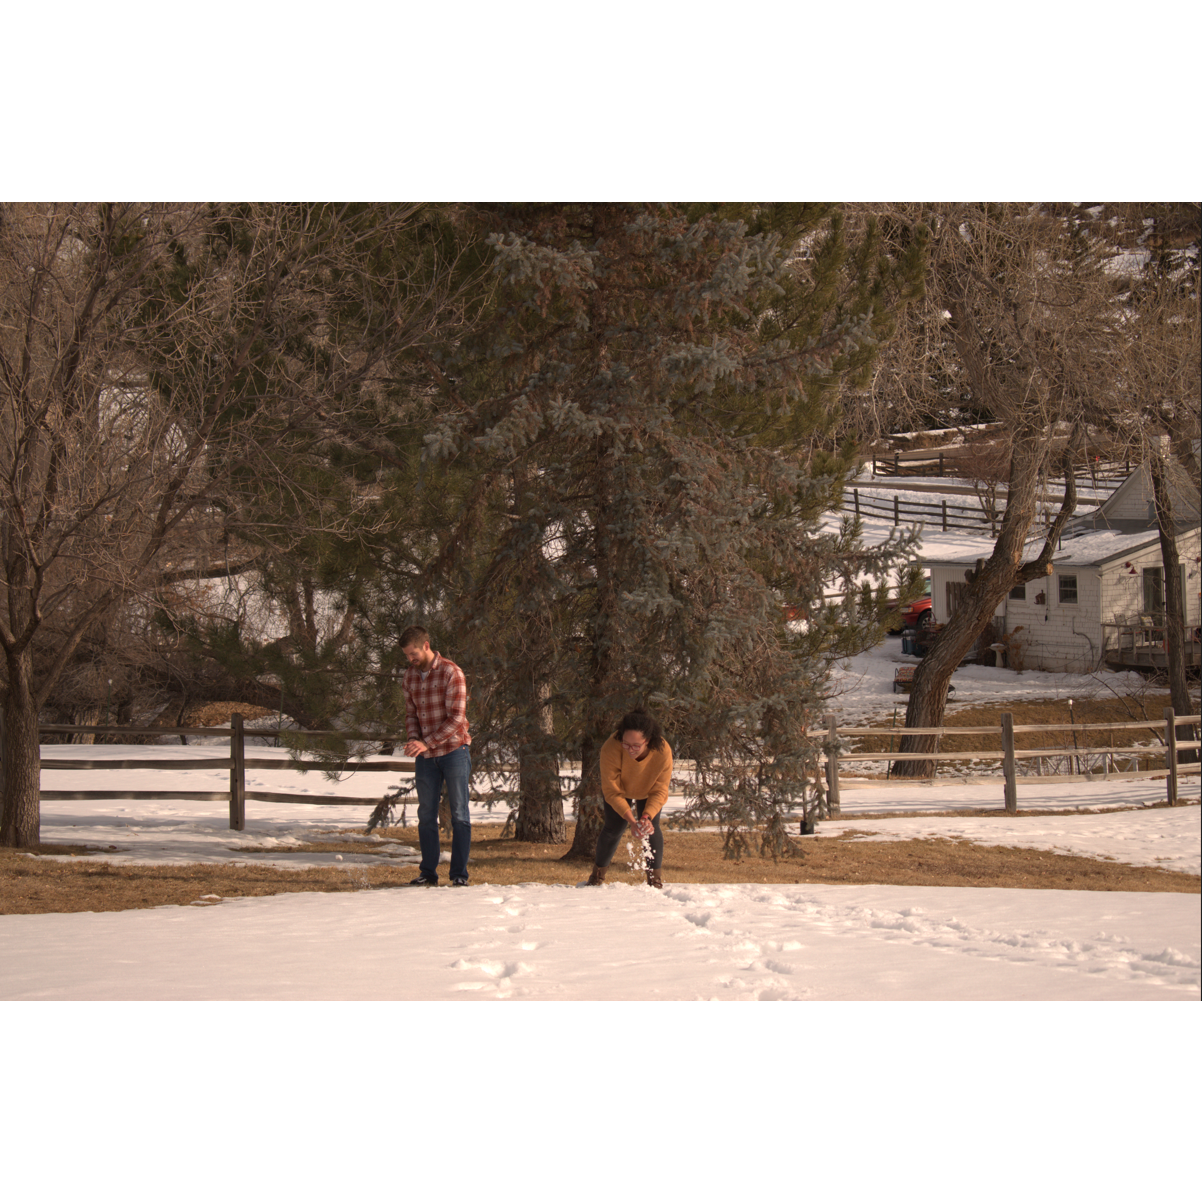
[(436, 707)]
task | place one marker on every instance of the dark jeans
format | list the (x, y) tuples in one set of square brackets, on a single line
[(611, 835), (429, 773)]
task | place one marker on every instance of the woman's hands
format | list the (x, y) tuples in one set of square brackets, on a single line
[(640, 828)]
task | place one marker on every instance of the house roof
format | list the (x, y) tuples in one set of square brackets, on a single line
[(1137, 488), (1090, 548)]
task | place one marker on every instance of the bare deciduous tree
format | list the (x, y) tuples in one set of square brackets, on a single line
[(1158, 398), (1018, 316), (165, 372)]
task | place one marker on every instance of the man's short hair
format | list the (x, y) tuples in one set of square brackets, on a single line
[(411, 636)]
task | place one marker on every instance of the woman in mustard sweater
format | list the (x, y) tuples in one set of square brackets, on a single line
[(636, 768)]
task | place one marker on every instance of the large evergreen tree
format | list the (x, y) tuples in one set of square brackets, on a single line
[(331, 510), (649, 418)]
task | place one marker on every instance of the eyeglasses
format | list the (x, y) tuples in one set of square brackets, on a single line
[(634, 747)]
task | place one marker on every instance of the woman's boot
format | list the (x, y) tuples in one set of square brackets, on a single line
[(598, 875), (654, 879)]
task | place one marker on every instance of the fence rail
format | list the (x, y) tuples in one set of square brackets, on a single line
[(949, 517), (1167, 727), (237, 762), (978, 519), (1096, 472), (833, 756)]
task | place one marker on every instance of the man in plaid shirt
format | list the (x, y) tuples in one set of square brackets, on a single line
[(438, 739)]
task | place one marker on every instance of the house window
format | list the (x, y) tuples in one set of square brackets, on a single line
[(1153, 590), (1018, 592), (1068, 590)]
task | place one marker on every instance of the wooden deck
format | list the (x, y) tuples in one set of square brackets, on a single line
[(1148, 659), (1139, 645)]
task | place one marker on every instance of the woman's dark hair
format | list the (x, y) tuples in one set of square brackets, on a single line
[(645, 724)]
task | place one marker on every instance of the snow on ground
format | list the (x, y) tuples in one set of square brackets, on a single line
[(862, 687), (191, 831), (1160, 838), (961, 490), (626, 942), (622, 942)]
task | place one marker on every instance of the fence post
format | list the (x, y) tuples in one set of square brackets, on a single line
[(1011, 786), (237, 774), (944, 503), (940, 465), (896, 519), (832, 768), (855, 492), (1170, 752)]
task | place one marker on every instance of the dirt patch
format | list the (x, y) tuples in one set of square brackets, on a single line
[(217, 713), (31, 884)]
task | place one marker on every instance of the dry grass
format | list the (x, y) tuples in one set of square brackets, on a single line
[(30, 884), (1031, 713), (1049, 712)]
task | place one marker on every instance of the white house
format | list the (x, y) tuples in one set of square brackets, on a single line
[(1103, 603)]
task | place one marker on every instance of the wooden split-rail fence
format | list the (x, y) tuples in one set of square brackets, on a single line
[(836, 758), (836, 755), (238, 763)]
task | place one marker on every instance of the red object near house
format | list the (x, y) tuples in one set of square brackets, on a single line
[(917, 613)]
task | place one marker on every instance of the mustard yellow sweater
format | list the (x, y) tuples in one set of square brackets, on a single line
[(623, 777)]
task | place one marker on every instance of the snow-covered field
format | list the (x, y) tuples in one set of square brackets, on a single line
[(929, 1100), (622, 942)]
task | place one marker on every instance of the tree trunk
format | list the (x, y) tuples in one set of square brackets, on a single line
[(590, 803), (20, 758), (600, 720), (987, 589), (90, 716), (1174, 602), (540, 803), (928, 694), (540, 799)]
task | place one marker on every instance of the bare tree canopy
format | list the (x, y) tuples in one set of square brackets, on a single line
[(156, 364), (1018, 316)]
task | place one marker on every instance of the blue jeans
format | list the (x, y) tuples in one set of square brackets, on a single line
[(429, 773)]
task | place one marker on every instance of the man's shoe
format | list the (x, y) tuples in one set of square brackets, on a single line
[(459, 880), (429, 881)]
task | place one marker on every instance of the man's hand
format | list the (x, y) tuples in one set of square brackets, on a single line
[(415, 747)]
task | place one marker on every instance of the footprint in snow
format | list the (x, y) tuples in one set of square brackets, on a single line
[(499, 974)]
